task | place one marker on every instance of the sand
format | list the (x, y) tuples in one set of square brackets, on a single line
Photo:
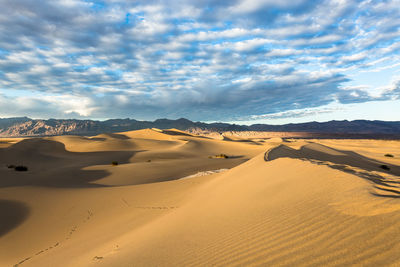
[(169, 202)]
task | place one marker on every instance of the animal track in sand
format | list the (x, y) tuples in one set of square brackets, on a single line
[(73, 229), (71, 232), (96, 258), (90, 215), (36, 254), (114, 250), (24, 260)]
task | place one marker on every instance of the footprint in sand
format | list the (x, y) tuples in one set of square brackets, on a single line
[(90, 215), (96, 258)]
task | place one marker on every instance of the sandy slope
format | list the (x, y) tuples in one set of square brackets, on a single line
[(303, 203)]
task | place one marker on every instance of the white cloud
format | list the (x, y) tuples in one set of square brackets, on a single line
[(151, 58)]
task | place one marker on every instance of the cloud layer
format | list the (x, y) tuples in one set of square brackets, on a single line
[(204, 60)]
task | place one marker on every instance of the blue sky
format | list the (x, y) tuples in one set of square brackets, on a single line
[(251, 61)]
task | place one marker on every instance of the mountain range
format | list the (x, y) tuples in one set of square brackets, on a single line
[(24, 126)]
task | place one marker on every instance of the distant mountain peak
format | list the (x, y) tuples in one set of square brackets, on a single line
[(24, 126)]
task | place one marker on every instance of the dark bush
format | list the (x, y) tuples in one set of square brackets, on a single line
[(389, 155), (21, 168), (385, 167), (221, 156), (114, 163), (11, 166)]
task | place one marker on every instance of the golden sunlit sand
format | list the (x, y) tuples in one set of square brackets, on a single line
[(172, 200)]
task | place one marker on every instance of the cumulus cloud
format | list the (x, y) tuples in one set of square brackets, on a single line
[(205, 60), (297, 113)]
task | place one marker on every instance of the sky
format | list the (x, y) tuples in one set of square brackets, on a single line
[(250, 61)]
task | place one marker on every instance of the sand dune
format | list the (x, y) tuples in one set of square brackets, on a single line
[(304, 202), (334, 158)]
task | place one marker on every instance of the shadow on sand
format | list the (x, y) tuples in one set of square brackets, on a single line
[(50, 164), (345, 161), (177, 133), (242, 141), (12, 214)]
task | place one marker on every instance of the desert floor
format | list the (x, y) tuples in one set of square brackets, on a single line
[(171, 202)]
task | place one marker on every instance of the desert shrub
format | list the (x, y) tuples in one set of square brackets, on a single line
[(389, 155), (149, 160), (221, 156), (114, 163), (11, 166), (21, 168), (385, 167)]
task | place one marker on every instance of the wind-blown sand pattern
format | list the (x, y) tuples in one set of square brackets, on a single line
[(279, 203), (204, 173)]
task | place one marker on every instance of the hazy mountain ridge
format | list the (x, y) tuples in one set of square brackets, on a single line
[(23, 126)]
